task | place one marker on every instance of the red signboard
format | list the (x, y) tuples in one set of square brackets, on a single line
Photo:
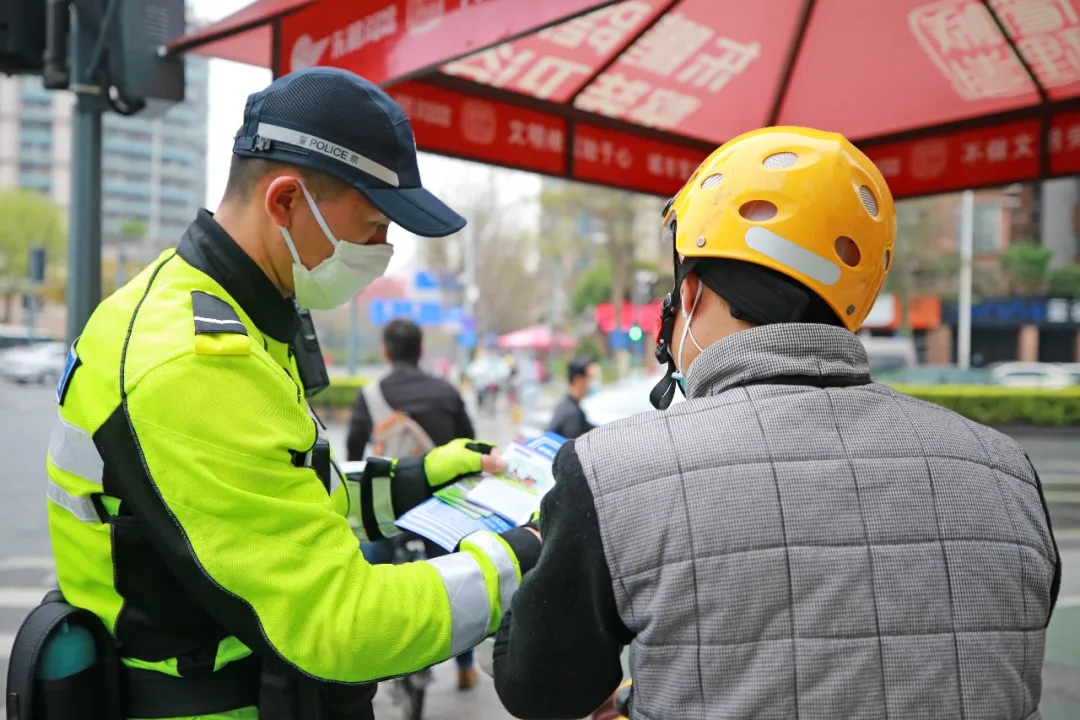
[(708, 69), (630, 162), (555, 63), (387, 39), (453, 123), (1065, 144), (644, 315), (970, 158)]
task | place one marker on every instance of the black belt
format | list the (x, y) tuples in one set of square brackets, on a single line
[(156, 695)]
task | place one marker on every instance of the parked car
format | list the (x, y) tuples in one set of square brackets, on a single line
[(1073, 369), (889, 353), (612, 402), (1032, 375), (934, 375), (43, 363)]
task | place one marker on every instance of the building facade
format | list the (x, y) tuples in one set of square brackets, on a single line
[(153, 169)]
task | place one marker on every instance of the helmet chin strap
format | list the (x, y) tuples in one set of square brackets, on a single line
[(664, 391)]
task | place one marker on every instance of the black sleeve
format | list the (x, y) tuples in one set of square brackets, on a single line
[(408, 488), (557, 651), (585, 425), (359, 429), (463, 427), (561, 421)]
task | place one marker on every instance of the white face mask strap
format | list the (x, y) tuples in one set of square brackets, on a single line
[(318, 215), (686, 328), (292, 247)]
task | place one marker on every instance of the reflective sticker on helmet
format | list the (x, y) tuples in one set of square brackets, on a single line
[(793, 256)]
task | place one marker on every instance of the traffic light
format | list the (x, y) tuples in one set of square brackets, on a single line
[(135, 66), (635, 333), (22, 36)]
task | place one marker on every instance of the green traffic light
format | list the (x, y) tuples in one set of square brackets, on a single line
[(635, 334)]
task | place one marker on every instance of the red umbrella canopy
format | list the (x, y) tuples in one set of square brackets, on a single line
[(942, 94), (536, 338)]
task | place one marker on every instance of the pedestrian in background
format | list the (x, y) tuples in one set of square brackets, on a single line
[(569, 419), (407, 412)]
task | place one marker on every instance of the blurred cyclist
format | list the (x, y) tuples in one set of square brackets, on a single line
[(793, 540)]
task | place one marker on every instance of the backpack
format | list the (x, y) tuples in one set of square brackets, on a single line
[(394, 434)]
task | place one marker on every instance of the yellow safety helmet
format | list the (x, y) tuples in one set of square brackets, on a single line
[(805, 203)]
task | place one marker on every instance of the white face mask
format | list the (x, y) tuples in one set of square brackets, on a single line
[(349, 270), (680, 376)]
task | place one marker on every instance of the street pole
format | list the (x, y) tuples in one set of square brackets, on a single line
[(121, 262), (84, 233), (472, 292), (963, 321), (31, 310)]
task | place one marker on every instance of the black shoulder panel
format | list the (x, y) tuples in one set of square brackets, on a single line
[(214, 315)]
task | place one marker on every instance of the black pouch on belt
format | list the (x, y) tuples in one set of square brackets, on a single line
[(91, 693), (284, 695)]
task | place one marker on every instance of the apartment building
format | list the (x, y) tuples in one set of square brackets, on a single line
[(153, 169)]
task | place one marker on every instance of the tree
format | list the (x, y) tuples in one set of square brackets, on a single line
[(28, 219), (510, 288), (1026, 264), (608, 247), (920, 264), (133, 230), (1065, 281), (594, 285)]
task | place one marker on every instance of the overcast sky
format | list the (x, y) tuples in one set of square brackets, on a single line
[(231, 83)]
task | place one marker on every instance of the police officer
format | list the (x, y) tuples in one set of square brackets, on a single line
[(793, 541), (194, 507)]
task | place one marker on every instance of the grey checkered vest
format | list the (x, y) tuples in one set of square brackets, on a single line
[(798, 551)]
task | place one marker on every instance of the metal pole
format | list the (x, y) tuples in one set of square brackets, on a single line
[(354, 332), (121, 261), (472, 292), (31, 310), (84, 233), (963, 322)]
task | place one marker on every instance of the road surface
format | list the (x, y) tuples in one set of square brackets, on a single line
[(26, 568)]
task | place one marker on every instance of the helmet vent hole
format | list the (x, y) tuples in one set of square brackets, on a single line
[(758, 210), (868, 200), (711, 181), (781, 160), (847, 251), (888, 258)]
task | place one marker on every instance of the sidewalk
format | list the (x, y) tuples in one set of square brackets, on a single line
[(445, 702)]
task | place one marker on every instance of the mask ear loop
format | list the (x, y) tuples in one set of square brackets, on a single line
[(318, 215)]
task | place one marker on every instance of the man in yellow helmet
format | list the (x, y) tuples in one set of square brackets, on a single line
[(793, 541)]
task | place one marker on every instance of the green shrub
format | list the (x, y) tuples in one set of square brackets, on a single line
[(987, 404), (996, 405), (341, 393)]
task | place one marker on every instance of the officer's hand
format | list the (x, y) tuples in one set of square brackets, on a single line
[(459, 458), (533, 525)]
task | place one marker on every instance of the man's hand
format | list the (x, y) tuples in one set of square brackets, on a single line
[(459, 458)]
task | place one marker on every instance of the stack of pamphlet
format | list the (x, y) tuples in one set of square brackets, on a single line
[(488, 502)]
